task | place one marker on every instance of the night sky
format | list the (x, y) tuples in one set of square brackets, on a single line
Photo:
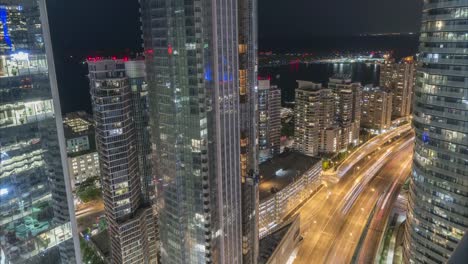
[(111, 27), (295, 18), (93, 25)]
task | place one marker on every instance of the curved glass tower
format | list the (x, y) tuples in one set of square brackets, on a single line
[(438, 200)]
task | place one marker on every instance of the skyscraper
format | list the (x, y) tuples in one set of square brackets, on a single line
[(399, 79), (248, 65), (192, 59), (330, 132), (269, 121), (306, 114), (118, 97), (348, 108), (37, 222), (438, 200), (376, 108)]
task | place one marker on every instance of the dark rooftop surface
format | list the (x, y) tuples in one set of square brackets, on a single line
[(78, 124), (282, 170), (268, 244), (102, 241)]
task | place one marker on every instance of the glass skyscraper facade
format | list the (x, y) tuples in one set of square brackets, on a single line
[(118, 94), (248, 106), (438, 200), (36, 208), (191, 50)]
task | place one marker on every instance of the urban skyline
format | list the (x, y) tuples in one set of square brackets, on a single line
[(201, 148)]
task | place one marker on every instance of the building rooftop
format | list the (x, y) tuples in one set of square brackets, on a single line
[(308, 86), (102, 242), (341, 78), (372, 88), (77, 124), (282, 170)]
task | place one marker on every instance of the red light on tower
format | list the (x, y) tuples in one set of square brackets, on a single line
[(125, 58), (169, 49)]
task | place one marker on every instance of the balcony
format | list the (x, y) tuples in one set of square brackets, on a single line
[(442, 4)]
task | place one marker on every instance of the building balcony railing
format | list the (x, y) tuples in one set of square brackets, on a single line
[(445, 50), (445, 61), (444, 4), (444, 72)]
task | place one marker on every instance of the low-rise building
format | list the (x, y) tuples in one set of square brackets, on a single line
[(286, 181), (83, 159), (83, 167)]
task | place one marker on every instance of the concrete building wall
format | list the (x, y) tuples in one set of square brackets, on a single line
[(287, 245), (275, 208)]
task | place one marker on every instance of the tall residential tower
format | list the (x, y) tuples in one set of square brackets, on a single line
[(306, 115), (192, 57), (438, 203), (269, 121), (118, 93), (37, 221), (399, 79)]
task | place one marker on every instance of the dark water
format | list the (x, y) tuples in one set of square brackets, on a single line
[(74, 88), (285, 76), (399, 45)]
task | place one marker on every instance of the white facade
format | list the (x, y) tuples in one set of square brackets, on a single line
[(83, 167)]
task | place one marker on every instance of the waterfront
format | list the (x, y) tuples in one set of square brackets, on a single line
[(285, 76)]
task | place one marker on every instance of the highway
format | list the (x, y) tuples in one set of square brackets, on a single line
[(402, 166), (333, 220), (368, 148), (386, 186)]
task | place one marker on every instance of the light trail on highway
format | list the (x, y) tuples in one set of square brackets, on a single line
[(337, 208), (369, 147)]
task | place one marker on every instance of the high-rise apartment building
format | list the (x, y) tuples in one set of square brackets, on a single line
[(376, 109), (83, 159), (348, 108), (399, 79), (192, 54), (330, 132), (306, 115), (37, 222), (118, 92), (269, 120), (438, 200)]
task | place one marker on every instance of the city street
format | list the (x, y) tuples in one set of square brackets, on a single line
[(333, 220)]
